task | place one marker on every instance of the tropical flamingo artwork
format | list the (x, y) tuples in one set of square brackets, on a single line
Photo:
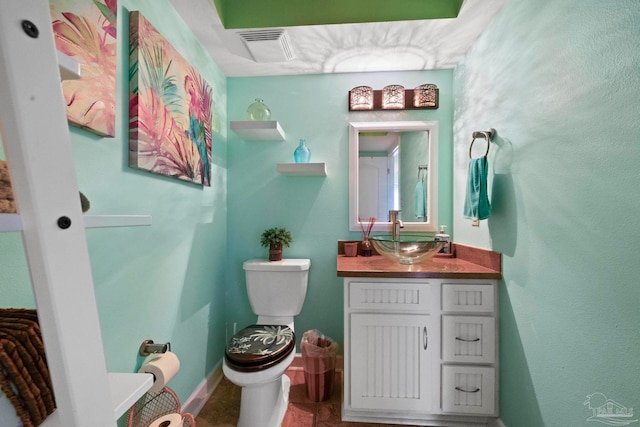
[(170, 108), (86, 31)]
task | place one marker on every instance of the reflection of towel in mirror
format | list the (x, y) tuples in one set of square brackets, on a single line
[(420, 200), (476, 202)]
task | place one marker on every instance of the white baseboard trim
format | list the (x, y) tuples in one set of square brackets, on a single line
[(202, 393), (496, 423)]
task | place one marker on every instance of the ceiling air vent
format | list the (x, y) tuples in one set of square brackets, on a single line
[(268, 45)]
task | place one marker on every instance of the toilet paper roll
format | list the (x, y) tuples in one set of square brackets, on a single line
[(163, 367), (171, 420)]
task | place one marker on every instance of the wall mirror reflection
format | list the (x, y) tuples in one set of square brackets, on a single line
[(393, 166)]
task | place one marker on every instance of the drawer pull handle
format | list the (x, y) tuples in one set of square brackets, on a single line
[(468, 391), (425, 338), (465, 340)]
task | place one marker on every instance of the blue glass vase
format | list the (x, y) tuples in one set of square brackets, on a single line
[(302, 153)]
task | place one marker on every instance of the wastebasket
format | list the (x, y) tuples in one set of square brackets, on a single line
[(319, 360)]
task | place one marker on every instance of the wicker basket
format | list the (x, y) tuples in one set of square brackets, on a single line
[(152, 406)]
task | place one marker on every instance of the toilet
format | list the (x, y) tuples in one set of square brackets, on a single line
[(257, 357)]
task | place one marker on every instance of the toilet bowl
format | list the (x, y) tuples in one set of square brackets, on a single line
[(265, 394), (257, 357)]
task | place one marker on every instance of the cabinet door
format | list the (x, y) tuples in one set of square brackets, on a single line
[(391, 361), (469, 339)]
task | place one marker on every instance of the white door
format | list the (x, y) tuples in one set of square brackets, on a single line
[(373, 192), (391, 361)]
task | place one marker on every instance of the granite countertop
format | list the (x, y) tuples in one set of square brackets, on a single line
[(466, 263)]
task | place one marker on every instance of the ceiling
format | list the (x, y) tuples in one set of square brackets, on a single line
[(384, 141), (338, 48)]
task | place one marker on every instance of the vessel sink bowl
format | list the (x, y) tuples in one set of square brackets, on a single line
[(406, 248)]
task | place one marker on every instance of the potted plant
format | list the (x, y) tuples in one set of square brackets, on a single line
[(275, 239)]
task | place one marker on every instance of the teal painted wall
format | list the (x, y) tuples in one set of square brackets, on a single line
[(315, 209), (560, 81), (165, 282)]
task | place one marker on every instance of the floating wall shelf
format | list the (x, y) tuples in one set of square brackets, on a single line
[(12, 222), (69, 67), (126, 389), (268, 130), (303, 169)]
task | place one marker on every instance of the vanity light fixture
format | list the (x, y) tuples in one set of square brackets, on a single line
[(394, 97), (361, 98), (425, 96)]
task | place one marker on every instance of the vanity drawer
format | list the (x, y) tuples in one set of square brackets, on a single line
[(390, 296), (468, 339), (468, 389), (468, 298)]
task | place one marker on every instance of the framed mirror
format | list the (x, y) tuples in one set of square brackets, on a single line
[(394, 166)]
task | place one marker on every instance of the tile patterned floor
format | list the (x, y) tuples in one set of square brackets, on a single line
[(223, 408)]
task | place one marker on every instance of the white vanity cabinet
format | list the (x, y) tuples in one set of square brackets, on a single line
[(420, 351)]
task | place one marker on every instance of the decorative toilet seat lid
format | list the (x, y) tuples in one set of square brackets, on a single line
[(258, 347)]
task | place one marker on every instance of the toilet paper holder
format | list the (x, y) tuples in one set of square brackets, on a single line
[(148, 347)]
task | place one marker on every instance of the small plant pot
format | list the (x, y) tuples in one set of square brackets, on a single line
[(275, 253), (351, 249)]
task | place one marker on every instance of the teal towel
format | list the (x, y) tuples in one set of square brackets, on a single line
[(476, 202), (420, 200)]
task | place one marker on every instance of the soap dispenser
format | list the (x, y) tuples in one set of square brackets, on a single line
[(443, 236)]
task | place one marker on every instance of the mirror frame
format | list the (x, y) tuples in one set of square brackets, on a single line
[(394, 126)]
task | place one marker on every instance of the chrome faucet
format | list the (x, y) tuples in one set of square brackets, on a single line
[(396, 224)]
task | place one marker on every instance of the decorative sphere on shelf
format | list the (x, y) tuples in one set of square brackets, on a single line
[(258, 111)]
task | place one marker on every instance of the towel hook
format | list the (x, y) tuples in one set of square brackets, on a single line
[(486, 134), (422, 168)]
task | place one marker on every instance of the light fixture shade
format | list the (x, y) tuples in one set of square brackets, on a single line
[(393, 97), (361, 98), (425, 96)]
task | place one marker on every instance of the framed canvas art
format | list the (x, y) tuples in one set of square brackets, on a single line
[(86, 31), (170, 108)]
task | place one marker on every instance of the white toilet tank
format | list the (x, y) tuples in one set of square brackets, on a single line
[(277, 288)]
